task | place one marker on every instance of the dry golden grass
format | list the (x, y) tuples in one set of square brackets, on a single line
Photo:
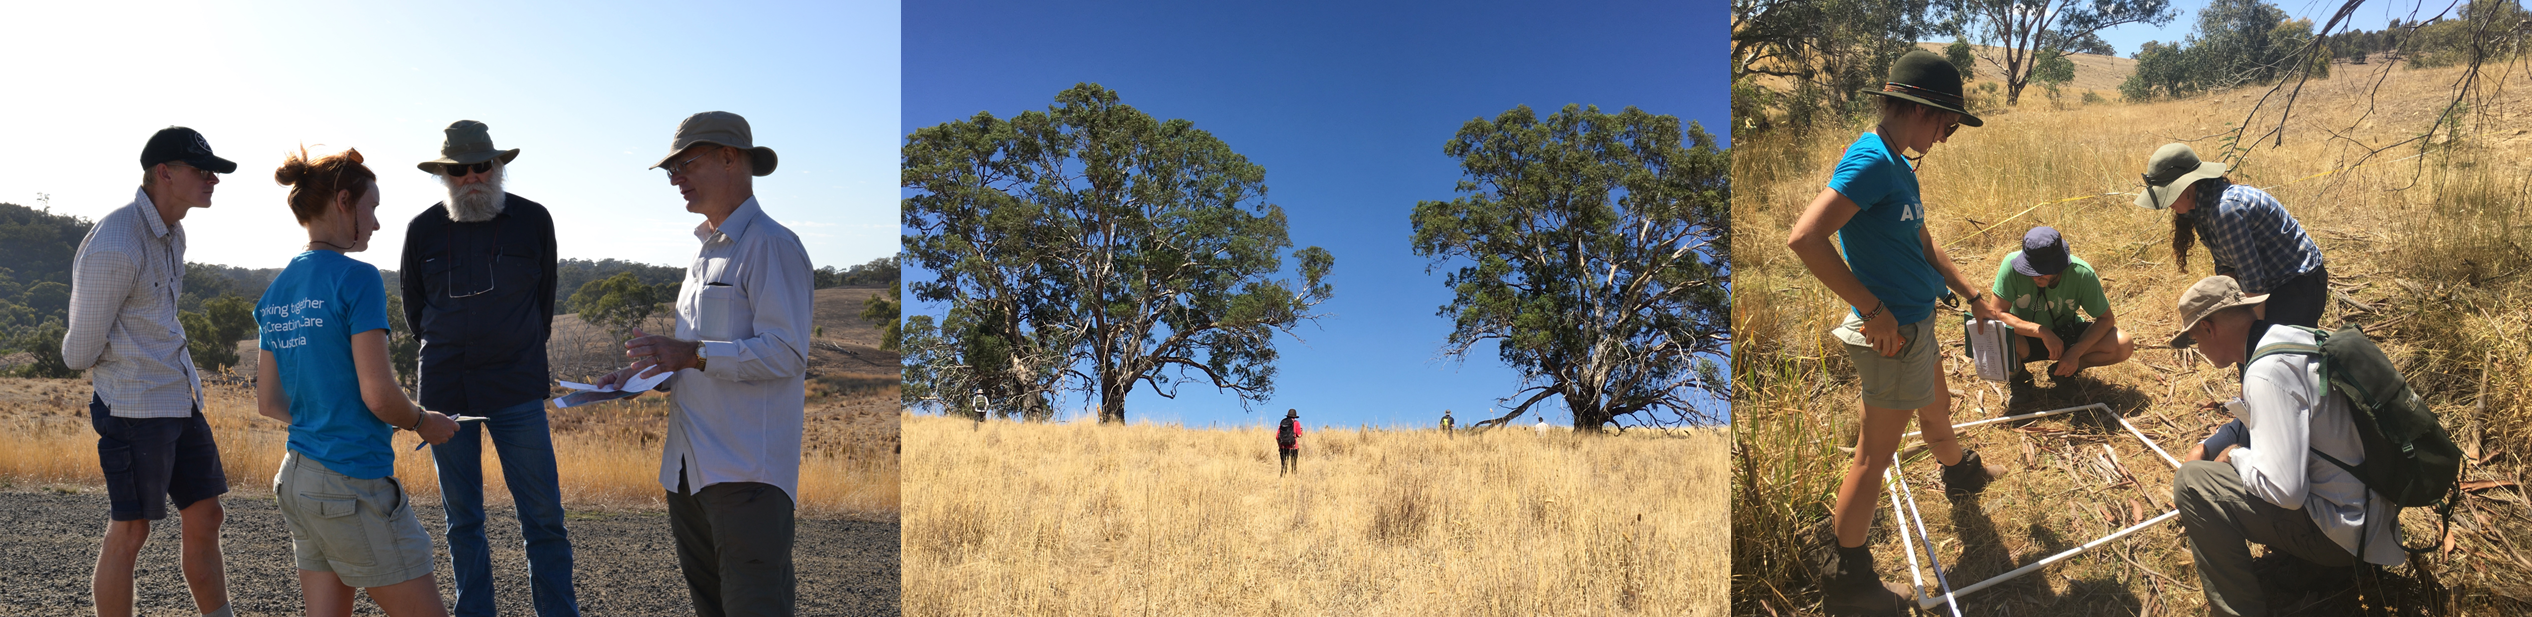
[(1063, 519), (608, 454), (2428, 252)]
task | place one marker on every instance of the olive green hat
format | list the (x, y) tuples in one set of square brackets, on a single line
[(2172, 169), (719, 128), (1927, 79), (469, 142)]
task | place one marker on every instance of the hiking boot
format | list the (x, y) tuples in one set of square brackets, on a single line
[(1852, 588), (1970, 476)]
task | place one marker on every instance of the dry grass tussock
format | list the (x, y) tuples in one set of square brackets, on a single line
[(2428, 253), (1042, 519)]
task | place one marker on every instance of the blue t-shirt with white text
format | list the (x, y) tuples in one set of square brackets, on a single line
[(1881, 242), (307, 319)]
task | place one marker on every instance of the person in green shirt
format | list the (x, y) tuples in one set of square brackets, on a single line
[(2038, 292)]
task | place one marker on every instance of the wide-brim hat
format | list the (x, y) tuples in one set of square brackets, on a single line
[(1292, 413), (1927, 79), (2211, 294), (2043, 253), (469, 142), (183, 145), (723, 129), (2170, 171)]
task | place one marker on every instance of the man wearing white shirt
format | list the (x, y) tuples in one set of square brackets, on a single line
[(2277, 493), (731, 464)]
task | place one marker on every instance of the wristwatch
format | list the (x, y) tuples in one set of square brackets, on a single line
[(700, 360)]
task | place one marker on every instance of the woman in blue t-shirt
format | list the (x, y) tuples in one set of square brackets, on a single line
[(324, 370), (1891, 273)]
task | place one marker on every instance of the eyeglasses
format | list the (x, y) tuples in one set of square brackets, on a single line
[(679, 168), (1948, 130), (461, 171), (205, 173)]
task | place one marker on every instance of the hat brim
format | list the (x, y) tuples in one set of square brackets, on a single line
[(2185, 340), (211, 164), (1967, 119), (2022, 264), (762, 158), (434, 166), (2162, 197)]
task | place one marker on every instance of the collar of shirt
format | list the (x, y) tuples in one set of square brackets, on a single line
[(734, 226), (149, 212)]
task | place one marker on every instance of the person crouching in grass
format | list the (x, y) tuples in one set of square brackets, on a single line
[(2038, 290), (1890, 273), (350, 524)]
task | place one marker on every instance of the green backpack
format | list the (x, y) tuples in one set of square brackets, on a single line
[(2409, 458)]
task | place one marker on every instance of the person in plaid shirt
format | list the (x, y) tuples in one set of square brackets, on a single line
[(2248, 234)]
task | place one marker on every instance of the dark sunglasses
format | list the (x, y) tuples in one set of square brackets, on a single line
[(460, 171), (1948, 130)]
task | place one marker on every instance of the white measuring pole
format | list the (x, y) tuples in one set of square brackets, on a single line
[(2027, 416), (1915, 577), (1940, 578), (1928, 603), (2149, 441)]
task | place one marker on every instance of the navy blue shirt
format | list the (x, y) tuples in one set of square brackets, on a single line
[(481, 298)]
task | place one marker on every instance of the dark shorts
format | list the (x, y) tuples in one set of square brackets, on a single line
[(148, 461), (2036, 350)]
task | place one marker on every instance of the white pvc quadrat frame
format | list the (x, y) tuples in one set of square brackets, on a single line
[(1903, 502)]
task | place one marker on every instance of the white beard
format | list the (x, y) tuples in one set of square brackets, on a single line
[(478, 202)]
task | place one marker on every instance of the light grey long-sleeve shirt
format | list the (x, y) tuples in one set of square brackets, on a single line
[(123, 289), (747, 297), (2287, 421)]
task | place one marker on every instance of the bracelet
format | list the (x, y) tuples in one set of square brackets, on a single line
[(1876, 312)]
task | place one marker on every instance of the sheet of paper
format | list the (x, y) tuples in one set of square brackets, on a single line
[(591, 394)]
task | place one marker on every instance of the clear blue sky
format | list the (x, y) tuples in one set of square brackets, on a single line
[(591, 93), (1346, 105)]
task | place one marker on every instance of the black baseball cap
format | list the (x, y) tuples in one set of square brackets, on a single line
[(2043, 253), (184, 145)]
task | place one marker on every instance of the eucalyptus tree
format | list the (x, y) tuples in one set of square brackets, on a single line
[(1093, 248), (1593, 250)]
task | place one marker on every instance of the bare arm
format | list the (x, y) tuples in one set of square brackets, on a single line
[(378, 390), (270, 401), (1952, 280), (1810, 241)]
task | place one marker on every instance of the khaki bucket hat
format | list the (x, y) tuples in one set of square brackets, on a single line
[(2172, 169), (469, 142), (719, 128), (1927, 79), (2211, 294)]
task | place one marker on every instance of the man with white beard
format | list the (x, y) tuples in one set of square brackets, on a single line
[(478, 281)]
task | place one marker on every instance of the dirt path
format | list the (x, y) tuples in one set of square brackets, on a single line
[(626, 564)]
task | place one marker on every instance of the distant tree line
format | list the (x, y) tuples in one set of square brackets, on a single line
[(37, 248), (2247, 42)]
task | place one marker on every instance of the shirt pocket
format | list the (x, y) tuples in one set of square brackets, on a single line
[(516, 271), (722, 313)]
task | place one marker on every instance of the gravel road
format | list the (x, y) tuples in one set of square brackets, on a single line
[(626, 562)]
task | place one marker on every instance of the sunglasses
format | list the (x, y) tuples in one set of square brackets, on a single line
[(1948, 130), (205, 173), (461, 171)]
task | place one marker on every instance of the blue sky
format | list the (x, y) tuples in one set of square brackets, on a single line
[(590, 92), (1346, 105)]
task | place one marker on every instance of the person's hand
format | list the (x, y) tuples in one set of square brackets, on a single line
[(1983, 310), (436, 428), (653, 354), (2056, 348), (2227, 455), (617, 378), (1882, 332)]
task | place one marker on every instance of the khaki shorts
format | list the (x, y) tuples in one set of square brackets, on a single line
[(1911, 380), (361, 530)]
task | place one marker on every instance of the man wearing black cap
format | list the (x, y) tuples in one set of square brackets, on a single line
[(2037, 293), (152, 440)]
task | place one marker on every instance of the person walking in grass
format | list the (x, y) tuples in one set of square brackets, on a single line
[(1288, 442), (2249, 235), (1447, 424), (479, 293), (731, 463), (153, 442), (2277, 494), (1890, 274), (2037, 292), (323, 368)]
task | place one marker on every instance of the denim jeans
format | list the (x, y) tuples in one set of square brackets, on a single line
[(526, 447)]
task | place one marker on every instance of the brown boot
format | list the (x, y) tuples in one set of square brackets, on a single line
[(1970, 476), (1853, 588)]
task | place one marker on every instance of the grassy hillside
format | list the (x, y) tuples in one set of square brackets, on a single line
[(1075, 519), (2427, 252)]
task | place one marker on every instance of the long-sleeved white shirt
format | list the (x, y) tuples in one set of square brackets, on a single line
[(123, 289), (2287, 422), (747, 298)]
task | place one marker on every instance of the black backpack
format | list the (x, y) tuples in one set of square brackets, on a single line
[(2409, 458), (1284, 437)]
